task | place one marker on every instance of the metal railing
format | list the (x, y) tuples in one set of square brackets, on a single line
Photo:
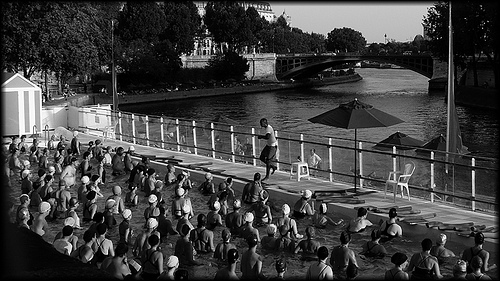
[(467, 181)]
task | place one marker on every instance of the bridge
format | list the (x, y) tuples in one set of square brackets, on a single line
[(308, 65)]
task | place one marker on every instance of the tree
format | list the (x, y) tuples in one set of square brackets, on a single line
[(345, 40), (182, 25), (475, 33), (222, 20), (228, 66)]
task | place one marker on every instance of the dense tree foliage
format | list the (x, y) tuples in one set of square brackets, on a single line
[(345, 40), (475, 33), (229, 65)]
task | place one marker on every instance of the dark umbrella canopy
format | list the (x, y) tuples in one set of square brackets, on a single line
[(400, 140), (437, 143), (356, 115)]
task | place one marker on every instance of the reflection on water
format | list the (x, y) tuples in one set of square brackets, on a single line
[(369, 267), (399, 92)]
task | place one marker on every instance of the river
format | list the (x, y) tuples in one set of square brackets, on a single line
[(400, 92)]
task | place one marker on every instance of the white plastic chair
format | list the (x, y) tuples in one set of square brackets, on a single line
[(396, 179)]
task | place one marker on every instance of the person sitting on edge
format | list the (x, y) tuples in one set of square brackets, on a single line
[(270, 242), (201, 237), (390, 229), (309, 246), (476, 264), (372, 248), (252, 190), (302, 208), (251, 262), (184, 249), (320, 270), (207, 187), (459, 270), (84, 253), (213, 217), (399, 260), (140, 243), (321, 219), (62, 245), (229, 272), (477, 250), (248, 229), (439, 251), (118, 265), (423, 265), (234, 220), (152, 260), (342, 256), (222, 249), (360, 223), (117, 164), (40, 225), (262, 211)]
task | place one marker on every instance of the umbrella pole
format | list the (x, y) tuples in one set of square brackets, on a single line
[(355, 157)]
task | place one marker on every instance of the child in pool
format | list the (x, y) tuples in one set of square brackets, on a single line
[(360, 223)]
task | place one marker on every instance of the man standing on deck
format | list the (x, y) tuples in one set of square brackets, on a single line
[(268, 154)]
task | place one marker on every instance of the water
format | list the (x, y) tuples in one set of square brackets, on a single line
[(400, 92)]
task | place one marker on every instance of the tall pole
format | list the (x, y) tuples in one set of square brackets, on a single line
[(451, 98), (113, 73)]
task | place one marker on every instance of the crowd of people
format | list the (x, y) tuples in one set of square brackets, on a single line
[(80, 173)]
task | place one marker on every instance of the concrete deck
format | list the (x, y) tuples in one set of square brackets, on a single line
[(281, 186)]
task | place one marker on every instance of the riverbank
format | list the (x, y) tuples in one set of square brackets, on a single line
[(232, 90)]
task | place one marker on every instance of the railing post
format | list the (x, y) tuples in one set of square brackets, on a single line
[(133, 128), (277, 152), (330, 159), (162, 138), (253, 148), (394, 169), (233, 159), (147, 130), (194, 139), (178, 138), (473, 179), (360, 157), (120, 125), (432, 176), (302, 148), (212, 135)]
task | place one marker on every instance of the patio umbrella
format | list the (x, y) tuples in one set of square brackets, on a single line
[(400, 140), (356, 115), (437, 143)]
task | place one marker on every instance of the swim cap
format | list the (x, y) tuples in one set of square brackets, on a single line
[(127, 214), (216, 205), (249, 217), (186, 209), (398, 258), (237, 204), (441, 239), (172, 261), (208, 176), (280, 265), (180, 191), (460, 267), (26, 163), (25, 173), (75, 133), (131, 148), (23, 198), (69, 221), (44, 207), (52, 169), (232, 255), (152, 198), (110, 203), (152, 223), (85, 179), (271, 228), (117, 189), (306, 194), (285, 209), (263, 195), (159, 184)]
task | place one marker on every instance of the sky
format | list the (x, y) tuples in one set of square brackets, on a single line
[(401, 21)]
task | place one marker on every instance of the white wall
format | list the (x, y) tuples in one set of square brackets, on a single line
[(54, 116)]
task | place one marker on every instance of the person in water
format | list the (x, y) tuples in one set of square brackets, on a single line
[(360, 223), (302, 207), (251, 262), (270, 242), (373, 248), (229, 272), (390, 229), (262, 211), (477, 250), (222, 249), (234, 220), (320, 270), (399, 260), (424, 266), (342, 256), (308, 246), (321, 219), (439, 251), (476, 274)]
